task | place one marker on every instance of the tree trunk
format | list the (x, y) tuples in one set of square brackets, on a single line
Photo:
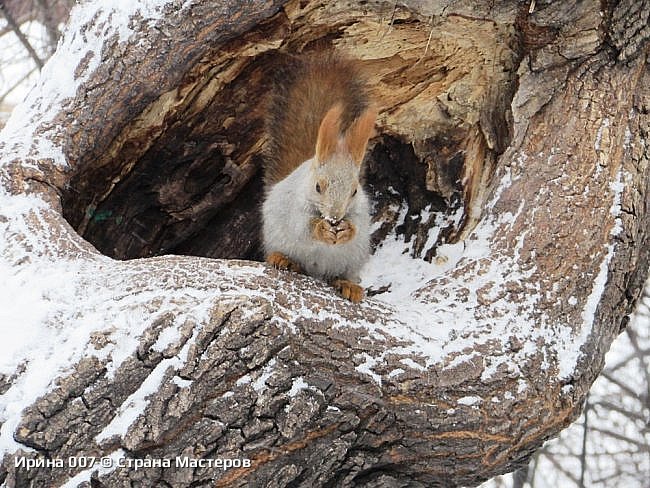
[(511, 161)]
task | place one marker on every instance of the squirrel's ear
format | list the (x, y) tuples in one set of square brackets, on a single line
[(328, 133), (362, 129)]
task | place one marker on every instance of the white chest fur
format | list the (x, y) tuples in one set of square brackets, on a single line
[(286, 216)]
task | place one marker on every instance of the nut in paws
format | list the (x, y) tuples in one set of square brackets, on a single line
[(338, 233)]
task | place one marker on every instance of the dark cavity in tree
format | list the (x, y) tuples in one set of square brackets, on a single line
[(195, 187)]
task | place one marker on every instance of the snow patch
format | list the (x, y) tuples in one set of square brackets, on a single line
[(569, 358), (617, 188), (181, 383), (167, 337), (627, 142), (412, 364), (469, 400), (102, 468), (396, 372), (300, 384), (369, 363), (244, 380), (259, 385), (604, 126), (135, 405)]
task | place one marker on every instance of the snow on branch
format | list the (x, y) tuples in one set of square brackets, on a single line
[(256, 362)]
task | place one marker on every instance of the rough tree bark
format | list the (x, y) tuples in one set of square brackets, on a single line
[(526, 134)]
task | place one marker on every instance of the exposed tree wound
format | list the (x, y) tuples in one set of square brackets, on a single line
[(524, 135)]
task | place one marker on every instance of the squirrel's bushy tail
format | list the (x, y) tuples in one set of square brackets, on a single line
[(304, 89)]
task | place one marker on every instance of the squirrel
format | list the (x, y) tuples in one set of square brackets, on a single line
[(316, 215)]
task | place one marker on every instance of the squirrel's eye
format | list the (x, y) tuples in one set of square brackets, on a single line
[(354, 192), (318, 187)]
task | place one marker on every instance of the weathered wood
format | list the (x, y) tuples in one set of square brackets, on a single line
[(151, 194), (533, 127)]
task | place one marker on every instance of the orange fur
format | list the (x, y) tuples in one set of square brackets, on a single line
[(348, 289), (328, 133), (356, 137), (305, 90), (280, 261)]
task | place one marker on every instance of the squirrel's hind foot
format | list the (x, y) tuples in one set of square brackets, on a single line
[(348, 289), (280, 261)]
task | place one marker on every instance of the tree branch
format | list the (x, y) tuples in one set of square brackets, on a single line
[(465, 375), (23, 39), (583, 452), (50, 24), (16, 84)]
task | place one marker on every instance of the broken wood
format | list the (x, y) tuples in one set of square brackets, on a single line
[(523, 137)]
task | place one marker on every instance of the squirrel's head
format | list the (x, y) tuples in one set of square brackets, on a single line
[(337, 163)]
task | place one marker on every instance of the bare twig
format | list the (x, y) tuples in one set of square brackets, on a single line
[(25, 42), (616, 381), (583, 454), (625, 411), (50, 24), (390, 22), (16, 84), (642, 446), (634, 340), (426, 48), (550, 456)]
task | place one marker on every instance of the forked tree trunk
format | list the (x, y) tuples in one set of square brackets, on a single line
[(512, 153)]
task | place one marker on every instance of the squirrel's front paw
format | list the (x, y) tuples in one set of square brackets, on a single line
[(348, 289), (340, 233), (345, 231), (280, 261)]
